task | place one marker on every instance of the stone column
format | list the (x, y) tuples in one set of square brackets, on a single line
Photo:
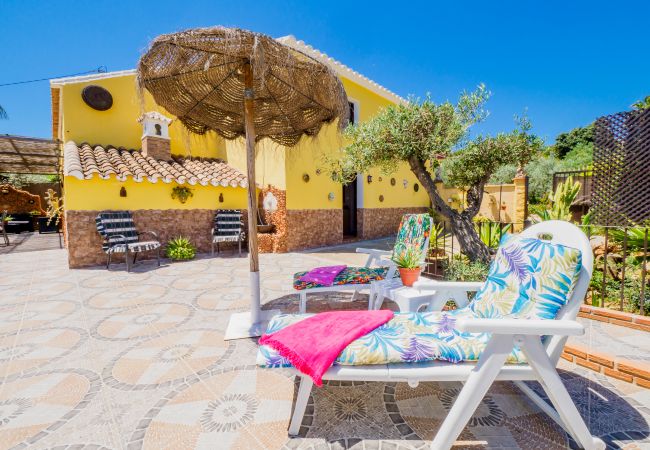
[(521, 201)]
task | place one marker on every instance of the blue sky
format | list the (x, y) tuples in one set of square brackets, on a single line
[(567, 62)]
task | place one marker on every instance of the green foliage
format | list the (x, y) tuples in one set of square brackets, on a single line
[(491, 232), (581, 156), (438, 234), (561, 201), (20, 180), (643, 103), (54, 210), (635, 237), (182, 193), (565, 142), (411, 259), (460, 268), (8, 218), (420, 129), (180, 248)]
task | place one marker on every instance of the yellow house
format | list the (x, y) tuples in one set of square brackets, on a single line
[(124, 152)]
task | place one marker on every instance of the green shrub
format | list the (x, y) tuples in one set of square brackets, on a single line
[(180, 248), (461, 269)]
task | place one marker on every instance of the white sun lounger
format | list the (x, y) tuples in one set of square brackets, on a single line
[(477, 377)]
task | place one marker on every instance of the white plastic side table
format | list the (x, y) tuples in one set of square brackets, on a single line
[(408, 299)]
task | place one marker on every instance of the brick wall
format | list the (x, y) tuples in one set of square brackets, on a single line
[(373, 223), (632, 371), (310, 228), (620, 318), (85, 244)]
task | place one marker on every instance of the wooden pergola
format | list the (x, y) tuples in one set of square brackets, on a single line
[(26, 155)]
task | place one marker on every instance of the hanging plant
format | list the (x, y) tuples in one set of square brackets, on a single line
[(182, 193)]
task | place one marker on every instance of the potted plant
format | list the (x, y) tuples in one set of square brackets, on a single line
[(409, 264), (180, 249)]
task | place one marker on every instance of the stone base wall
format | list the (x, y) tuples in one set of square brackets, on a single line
[(17, 201), (310, 228), (374, 223), (85, 244), (275, 242)]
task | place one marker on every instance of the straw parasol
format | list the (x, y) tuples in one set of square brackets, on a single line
[(242, 84)]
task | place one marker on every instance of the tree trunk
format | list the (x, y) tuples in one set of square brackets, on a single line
[(461, 222)]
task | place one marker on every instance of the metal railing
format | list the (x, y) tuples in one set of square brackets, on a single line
[(621, 262)]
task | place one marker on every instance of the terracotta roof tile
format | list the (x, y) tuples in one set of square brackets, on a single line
[(86, 161)]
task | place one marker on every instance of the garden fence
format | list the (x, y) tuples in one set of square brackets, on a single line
[(620, 279)]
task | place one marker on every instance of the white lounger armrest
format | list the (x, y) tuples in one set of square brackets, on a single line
[(469, 286), (374, 252), (539, 327)]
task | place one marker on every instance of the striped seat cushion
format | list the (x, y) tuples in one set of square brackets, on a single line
[(135, 247), (228, 226)]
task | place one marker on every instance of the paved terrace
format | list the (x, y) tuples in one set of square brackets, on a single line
[(91, 359)]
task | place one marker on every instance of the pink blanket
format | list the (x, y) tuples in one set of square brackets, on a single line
[(312, 345), (322, 275)]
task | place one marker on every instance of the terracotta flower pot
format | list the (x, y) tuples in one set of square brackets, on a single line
[(409, 276)]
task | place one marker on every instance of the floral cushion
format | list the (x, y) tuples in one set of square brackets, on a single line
[(529, 279), (414, 231), (406, 338), (349, 275)]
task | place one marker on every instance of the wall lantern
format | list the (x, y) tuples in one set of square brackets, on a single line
[(405, 183), (381, 179), (369, 179), (330, 196), (305, 177), (318, 171), (392, 181), (381, 198), (122, 191), (416, 187), (221, 197)]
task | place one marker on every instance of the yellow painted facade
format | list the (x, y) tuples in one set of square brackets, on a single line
[(98, 194), (276, 165)]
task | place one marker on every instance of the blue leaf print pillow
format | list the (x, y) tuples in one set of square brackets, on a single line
[(529, 279)]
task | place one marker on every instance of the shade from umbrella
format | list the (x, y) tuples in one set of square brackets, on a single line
[(240, 83)]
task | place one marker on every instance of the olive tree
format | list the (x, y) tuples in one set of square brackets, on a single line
[(421, 134)]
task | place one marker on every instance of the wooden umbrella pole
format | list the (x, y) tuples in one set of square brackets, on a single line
[(249, 113)]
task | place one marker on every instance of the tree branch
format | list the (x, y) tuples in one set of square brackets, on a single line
[(423, 175)]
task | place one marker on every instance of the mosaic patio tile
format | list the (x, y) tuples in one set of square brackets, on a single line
[(33, 314), (23, 351), (142, 321), (36, 405), (169, 359), (217, 300), (248, 409), (125, 296)]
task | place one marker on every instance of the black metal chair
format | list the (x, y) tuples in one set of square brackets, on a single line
[(120, 236), (228, 227)]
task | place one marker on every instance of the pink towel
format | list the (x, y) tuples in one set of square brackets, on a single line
[(312, 345), (322, 275)]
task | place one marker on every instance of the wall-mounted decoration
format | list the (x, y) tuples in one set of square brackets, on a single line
[(330, 196), (318, 171), (122, 191), (97, 97), (392, 181), (182, 193), (405, 183), (381, 179), (305, 177), (381, 198), (31, 201), (270, 202), (416, 187), (369, 179), (221, 197)]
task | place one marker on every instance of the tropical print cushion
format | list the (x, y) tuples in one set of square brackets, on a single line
[(413, 233), (528, 279), (349, 275), (406, 338)]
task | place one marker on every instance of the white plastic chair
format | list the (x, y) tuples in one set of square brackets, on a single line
[(477, 377)]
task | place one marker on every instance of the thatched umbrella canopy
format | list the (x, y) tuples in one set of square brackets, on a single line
[(240, 83)]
